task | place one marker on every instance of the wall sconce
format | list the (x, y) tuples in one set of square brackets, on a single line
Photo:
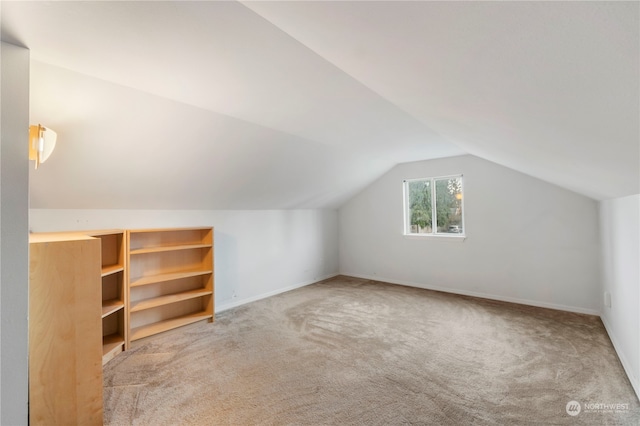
[(42, 142)]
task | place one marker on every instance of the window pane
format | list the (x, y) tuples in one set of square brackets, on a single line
[(419, 207), (449, 205)]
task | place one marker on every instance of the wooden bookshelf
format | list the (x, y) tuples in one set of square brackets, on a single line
[(114, 294), (170, 279), (65, 358)]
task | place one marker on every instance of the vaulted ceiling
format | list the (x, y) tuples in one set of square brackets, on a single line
[(233, 105)]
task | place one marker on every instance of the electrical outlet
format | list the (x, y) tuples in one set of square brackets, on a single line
[(607, 299)]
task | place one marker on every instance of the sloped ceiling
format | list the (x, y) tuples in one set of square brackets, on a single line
[(219, 105)]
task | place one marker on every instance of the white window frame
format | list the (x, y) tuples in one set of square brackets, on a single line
[(434, 234)]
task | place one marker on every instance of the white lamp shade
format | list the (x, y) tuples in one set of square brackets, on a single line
[(42, 142)]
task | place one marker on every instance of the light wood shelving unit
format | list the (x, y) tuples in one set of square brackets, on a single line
[(170, 279), (114, 294), (65, 358)]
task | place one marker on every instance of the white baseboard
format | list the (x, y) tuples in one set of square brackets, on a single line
[(480, 295), (635, 382), (230, 305)]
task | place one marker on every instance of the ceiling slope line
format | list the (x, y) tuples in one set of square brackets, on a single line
[(180, 102), (357, 80)]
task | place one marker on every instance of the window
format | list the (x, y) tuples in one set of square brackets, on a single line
[(433, 206)]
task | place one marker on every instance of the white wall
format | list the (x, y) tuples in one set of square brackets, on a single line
[(620, 234), (14, 242), (527, 241), (257, 252)]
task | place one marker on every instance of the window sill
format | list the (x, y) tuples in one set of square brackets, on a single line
[(439, 237)]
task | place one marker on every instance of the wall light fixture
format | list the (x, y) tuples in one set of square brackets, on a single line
[(42, 142)]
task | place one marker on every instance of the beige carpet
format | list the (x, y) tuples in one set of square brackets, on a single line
[(354, 352)]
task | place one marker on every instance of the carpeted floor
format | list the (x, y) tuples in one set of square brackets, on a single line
[(354, 352)]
